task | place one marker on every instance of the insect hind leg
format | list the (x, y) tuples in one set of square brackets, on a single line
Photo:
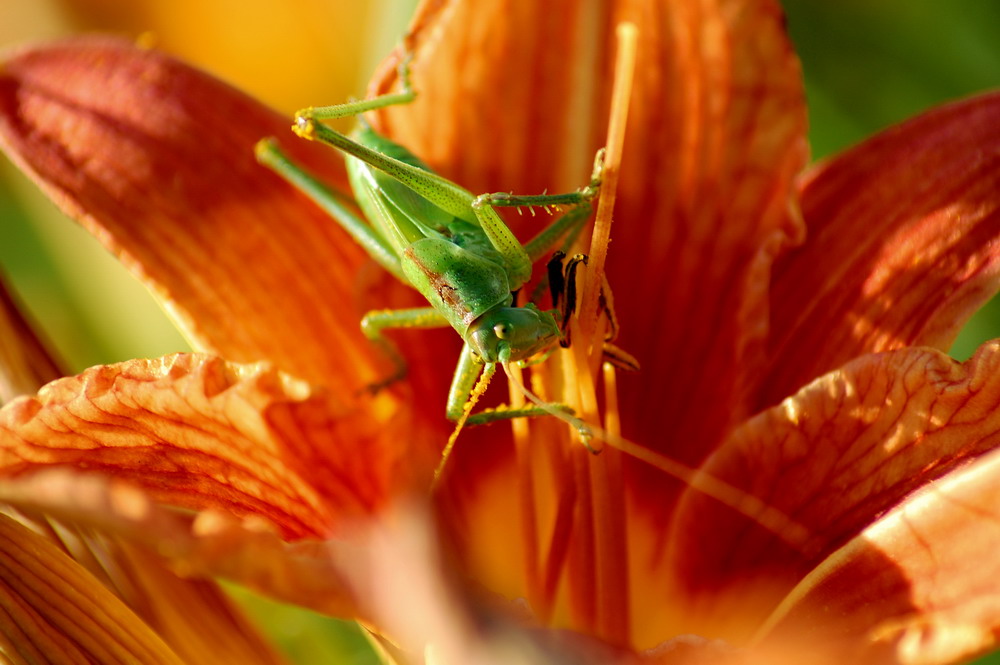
[(346, 110)]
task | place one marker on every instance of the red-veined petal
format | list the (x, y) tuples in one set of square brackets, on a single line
[(833, 457), (919, 586), (156, 159), (196, 432), (715, 137), (904, 245)]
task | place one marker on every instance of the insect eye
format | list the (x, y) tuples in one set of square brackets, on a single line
[(501, 330)]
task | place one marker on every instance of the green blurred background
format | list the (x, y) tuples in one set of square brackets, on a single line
[(868, 64)]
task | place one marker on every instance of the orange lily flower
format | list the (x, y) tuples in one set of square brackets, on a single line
[(791, 331)]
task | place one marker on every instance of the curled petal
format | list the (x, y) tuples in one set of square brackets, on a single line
[(52, 610), (195, 431), (156, 159), (842, 451), (904, 245), (918, 586)]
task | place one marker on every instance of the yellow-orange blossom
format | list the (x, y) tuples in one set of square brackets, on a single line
[(731, 301)]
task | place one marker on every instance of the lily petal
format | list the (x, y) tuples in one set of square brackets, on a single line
[(704, 205), (845, 449), (194, 616), (195, 431), (209, 544), (156, 159), (538, 109), (717, 134), (54, 611), (918, 586), (903, 245)]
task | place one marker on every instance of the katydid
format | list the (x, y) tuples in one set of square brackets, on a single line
[(454, 248), (450, 245)]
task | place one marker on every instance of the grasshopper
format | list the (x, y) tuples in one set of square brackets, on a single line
[(450, 245), (453, 247)]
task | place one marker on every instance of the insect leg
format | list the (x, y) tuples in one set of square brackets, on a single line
[(554, 274), (335, 204), (519, 258), (466, 373), (405, 96), (375, 322), (569, 303)]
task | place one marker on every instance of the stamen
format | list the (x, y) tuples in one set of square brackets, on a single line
[(581, 427), (602, 602), (611, 525), (620, 96), (746, 504), (529, 519)]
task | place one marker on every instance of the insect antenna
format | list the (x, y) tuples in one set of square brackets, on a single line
[(481, 385), (748, 505)]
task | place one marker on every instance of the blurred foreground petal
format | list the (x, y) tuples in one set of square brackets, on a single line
[(208, 544), (53, 611)]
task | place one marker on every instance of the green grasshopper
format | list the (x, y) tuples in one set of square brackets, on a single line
[(455, 249), (450, 245)]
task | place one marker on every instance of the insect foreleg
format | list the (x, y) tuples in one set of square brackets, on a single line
[(518, 258), (375, 322), (566, 277), (466, 373)]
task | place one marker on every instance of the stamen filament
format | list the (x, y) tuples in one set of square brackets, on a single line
[(606, 521), (612, 544), (525, 470), (620, 96)]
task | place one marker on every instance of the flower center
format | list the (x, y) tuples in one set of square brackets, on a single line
[(578, 495)]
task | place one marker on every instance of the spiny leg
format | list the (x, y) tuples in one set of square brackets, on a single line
[(569, 300), (375, 322), (518, 258)]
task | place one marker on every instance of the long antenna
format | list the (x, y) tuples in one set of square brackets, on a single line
[(746, 504)]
